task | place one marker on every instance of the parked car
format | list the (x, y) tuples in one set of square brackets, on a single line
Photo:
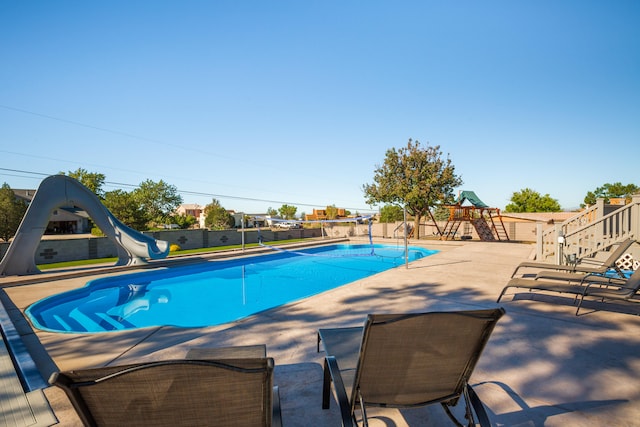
[(287, 225)]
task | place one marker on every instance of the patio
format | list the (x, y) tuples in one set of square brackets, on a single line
[(542, 366)]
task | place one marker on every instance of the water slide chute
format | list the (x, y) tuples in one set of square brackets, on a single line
[(58, 191)]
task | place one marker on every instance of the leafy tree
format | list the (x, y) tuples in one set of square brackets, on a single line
[(12, 210), (125, 207), (183, 221), (391, 213), (217, 217), (607, 191), (92, 180), (332, 212), (287, 211), (441, 213), (416, 177), (158, 199), (528, 200), (272, 212)]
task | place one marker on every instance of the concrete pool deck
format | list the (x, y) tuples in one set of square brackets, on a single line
[(542, 366)]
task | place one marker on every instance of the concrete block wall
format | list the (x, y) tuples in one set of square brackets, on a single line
[(54, 249), (517, 231), (60, 249)]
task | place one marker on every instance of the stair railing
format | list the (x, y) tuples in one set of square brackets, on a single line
[(589, 231)]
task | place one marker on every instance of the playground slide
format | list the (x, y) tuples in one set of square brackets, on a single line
[(58, 191)]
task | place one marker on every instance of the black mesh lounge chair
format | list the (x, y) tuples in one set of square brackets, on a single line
[(586, 265), (225, 392), (406, 360), (591, 285)]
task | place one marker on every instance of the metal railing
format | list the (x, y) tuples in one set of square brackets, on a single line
[(589, 231)]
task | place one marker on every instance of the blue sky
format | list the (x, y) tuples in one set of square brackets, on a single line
[(260, 103)]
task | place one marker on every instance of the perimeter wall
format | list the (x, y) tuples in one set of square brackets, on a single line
[(61, 248), (69, 247)]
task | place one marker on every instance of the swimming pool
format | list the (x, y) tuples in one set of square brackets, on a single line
[(214, 292)]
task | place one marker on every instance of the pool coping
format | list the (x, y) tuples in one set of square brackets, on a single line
[(23, 402), (395, 257), (543, 365)]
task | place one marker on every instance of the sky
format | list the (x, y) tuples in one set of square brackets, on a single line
[(263, 103)]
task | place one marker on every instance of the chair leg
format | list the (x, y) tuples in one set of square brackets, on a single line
[(501, 294), (276, 417), (365, 421), (478, 407), (471, 401), (326, 387), (579, 304), (332, 374), (450, 415)]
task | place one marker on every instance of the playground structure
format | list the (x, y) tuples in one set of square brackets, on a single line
[(57, 191), (487, 221)]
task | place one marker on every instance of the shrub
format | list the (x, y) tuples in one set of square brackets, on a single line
[(95, 231), (174, 248)]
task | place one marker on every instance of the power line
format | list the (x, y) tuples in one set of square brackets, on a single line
[(183, 146), (193, 193), (73, 122)]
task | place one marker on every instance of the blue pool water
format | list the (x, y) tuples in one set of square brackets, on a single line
[(212, 293)]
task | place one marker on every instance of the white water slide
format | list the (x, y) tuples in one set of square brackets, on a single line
[(58, 191)]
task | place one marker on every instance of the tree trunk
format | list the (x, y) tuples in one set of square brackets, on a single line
[(416, 226)]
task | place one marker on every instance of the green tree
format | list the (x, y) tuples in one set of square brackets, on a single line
[(272, 212), (217, 217), (183, 221), (332, 212), (607, 191), (12, 210), (92, 180), (288, 211), (158, 199), (124, 206), (416, 177), (391, 213), (528, 200), (441, 213)]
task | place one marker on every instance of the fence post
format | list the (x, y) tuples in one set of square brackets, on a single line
[(539, 250), (560, 244), (635, 216), (599, 229)]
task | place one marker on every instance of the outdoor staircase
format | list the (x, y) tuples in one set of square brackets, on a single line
[(589, 231)]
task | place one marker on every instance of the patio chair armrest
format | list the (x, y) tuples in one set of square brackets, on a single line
[(624, 287), (332, 372), (619, 284), (600, 280)]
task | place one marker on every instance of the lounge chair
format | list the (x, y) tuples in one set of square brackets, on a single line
[(585, 265), (223, 392), (590, 285), (407, 360)]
